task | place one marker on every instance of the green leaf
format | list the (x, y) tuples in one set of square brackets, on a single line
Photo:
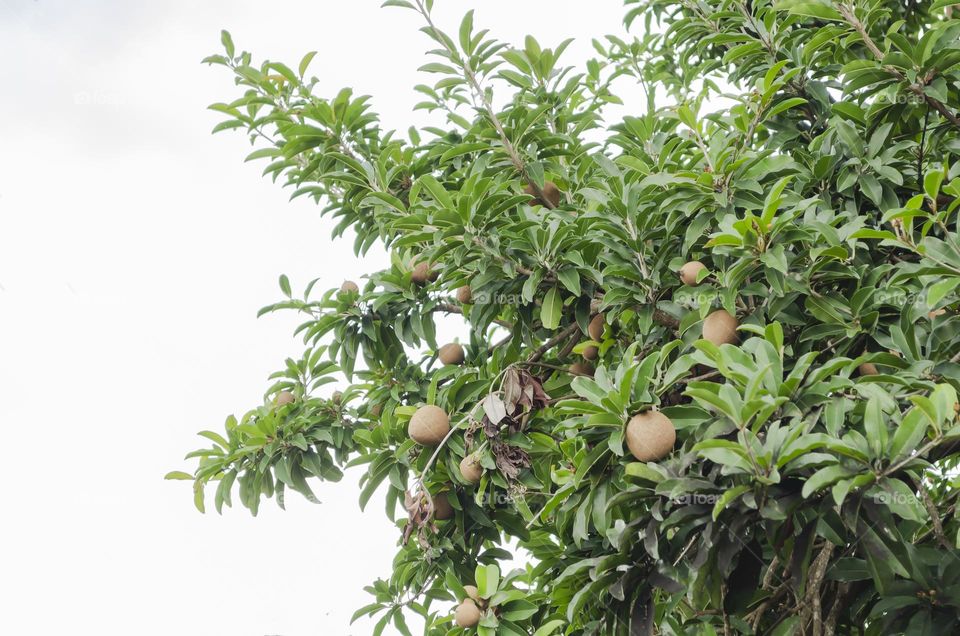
[(823, 478), (178, 474), (488, 580), (305, 62), (227, 42), (437, 191), (931, 184), (726, 498), (550, 311), (908, 435)]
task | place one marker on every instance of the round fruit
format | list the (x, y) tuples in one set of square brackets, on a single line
[(690, 271), (283, 398), (650, 436), (349, 287), (376, 409), (470, 469), (472, 593), (595, 330), (464, 294), (422, 273), (429, 425), (467, 614), (868, 368), (581, 368), (550, 192), (451, 354), (337, 397), (591, 353), (442, 510), (720, 328)]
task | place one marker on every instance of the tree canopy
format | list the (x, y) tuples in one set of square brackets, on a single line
[(710, 382)]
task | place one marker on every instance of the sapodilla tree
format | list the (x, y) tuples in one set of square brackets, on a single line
[(782, 491)]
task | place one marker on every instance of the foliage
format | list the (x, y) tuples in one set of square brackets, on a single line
[(807, 153)]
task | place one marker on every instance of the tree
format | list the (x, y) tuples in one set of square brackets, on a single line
[(793, 465)]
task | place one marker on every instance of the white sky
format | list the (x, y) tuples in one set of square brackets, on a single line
[(135, 249)]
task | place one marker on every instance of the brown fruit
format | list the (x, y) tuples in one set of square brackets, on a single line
[(582, 368), (473, 593), (720, 328), (375, 409), (470, 469), (429, 425), (650, 436), (467, 614), (451, 354), (442, 510), (591, 353), (595, 330), (868, 368), (690, 271), (283, 398), (349, 287), (550, 192), (464, 294), (337, 397), (423, 273)]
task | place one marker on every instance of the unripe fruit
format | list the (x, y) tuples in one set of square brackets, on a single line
[(550, 192), (472, 593), (467, 614), (470, 469), (464, 294), (690, 271), (582, 368), (337, 397), (650, 436), (868, 368), (283, 398), (429, 425), (595, 330), (451, 354), (422, 273), (720, 328), (349, 287), (442, 510), (591, 353)]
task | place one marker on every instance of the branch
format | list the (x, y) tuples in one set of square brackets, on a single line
[(814, 582), (915, 88), (552, 342), (471, 77), (932, 511)]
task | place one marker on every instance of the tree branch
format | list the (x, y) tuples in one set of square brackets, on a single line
[(916, 89), (471, 77), (552, 342)]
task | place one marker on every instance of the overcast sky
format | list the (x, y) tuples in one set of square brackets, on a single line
[(135, 249)]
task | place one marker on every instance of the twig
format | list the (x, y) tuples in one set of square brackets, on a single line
[(915, 88), (932, 511), (488, 107), (552, 342)]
